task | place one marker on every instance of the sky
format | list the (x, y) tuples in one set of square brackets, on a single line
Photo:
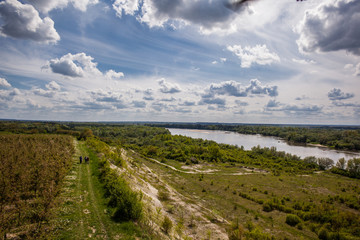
[(265, 61)]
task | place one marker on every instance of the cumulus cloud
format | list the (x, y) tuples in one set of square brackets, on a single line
[(111, 74), (272, 104), (8, 95), (232, 88), (107, 98), (353, 68), (48, 5), (44, 93), (4, 83), (259, 54), (337, 94), (74, 65), (222, 60), (53, 86), (168, 87), (205, 13), (51, 89), (31, 104), (331, 26), (23, 21), (128, 7), (148, 95)]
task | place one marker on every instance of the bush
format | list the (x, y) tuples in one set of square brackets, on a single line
[(167, 224), (323, 234), (163, 195), (267, 207), (292, 220), (127, 203)]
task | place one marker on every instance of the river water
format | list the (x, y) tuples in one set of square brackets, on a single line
[(249, 141)]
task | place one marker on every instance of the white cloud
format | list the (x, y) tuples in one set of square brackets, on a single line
[(51, 89), (53, 86), (44, 93), (357, 70), (32, 104), (128, 7), (272, 104), (111, 74), (168, 87), (222, 60), (4, 83), (8, 95), (106, 99), (148, 95), (76, 65), (259, 54), (48, 5), (23, 21), (331, 26)]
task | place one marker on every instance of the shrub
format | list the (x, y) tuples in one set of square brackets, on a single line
[(268, 207), (292, 220), (167, 224), (127, 203), (323, 234), (163, 195)]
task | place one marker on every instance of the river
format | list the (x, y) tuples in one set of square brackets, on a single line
[(249, 141)]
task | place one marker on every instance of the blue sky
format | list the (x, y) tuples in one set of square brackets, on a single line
[(181, 60)]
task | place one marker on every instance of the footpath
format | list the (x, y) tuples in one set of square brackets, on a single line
[(83, 214)]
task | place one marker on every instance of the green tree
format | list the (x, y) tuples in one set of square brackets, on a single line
[(86, 133)]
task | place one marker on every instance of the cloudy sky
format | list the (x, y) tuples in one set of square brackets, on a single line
[(268, 61)]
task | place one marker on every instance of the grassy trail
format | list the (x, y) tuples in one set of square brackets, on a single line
[(83, 214)]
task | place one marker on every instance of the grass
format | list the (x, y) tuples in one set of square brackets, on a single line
[(84, 213), (222, 193)]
